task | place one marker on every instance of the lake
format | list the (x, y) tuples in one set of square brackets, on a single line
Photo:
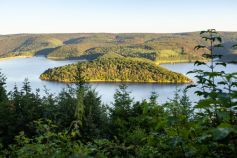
[(16, 70)]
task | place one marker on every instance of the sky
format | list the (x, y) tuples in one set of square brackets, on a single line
[(116, 16)]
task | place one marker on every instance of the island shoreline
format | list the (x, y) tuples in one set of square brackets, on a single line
[(84, 59)]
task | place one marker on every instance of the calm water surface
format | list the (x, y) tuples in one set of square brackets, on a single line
[(16, 70)]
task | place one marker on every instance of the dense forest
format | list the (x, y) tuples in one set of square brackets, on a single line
[(161, 48), (115, 68), (76, 124)]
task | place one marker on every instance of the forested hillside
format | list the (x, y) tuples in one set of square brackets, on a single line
[(113, 67), (156, 47)]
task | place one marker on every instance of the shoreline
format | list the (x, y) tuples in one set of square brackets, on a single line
[(78, 58), (15, 57), (179, 62), (156, 62), (120, 81)]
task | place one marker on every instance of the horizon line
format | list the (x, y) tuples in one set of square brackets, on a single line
[(25, 33)]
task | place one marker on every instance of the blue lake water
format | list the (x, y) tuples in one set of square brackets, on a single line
[(16, 70)]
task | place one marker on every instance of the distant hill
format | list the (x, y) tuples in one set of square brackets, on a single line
[(156, 47)]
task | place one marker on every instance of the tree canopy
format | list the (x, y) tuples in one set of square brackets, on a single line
[(113, 68)]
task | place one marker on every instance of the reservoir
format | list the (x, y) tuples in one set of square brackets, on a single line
[(16, 70)]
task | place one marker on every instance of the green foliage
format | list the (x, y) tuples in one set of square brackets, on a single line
[(34, 126), (3, 95), (121, 111), (95, 122), (217, 108), (48, 143), (115, 69), (23, 107)]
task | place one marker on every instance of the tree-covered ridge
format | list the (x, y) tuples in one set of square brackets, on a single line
[(68, 51), (158, 47), (115, 69)]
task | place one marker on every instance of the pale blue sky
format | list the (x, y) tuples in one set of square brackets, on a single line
[(69, 16)]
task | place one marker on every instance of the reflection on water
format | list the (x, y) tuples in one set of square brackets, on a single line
[(16, 70)]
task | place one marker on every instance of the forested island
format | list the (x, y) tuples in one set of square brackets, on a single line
[(115, 68)]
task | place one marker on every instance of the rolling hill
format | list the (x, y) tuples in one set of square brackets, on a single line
[(175, 47)]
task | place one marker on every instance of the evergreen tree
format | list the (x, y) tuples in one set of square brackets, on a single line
[(121, 111), (95, 118), (26, 88), (153, 98), (4, 113), (3, 95), (66, 103), (122, 98), (79, 108)]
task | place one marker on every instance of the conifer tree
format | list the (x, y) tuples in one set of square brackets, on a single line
[(3, 95), (79, 109)]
